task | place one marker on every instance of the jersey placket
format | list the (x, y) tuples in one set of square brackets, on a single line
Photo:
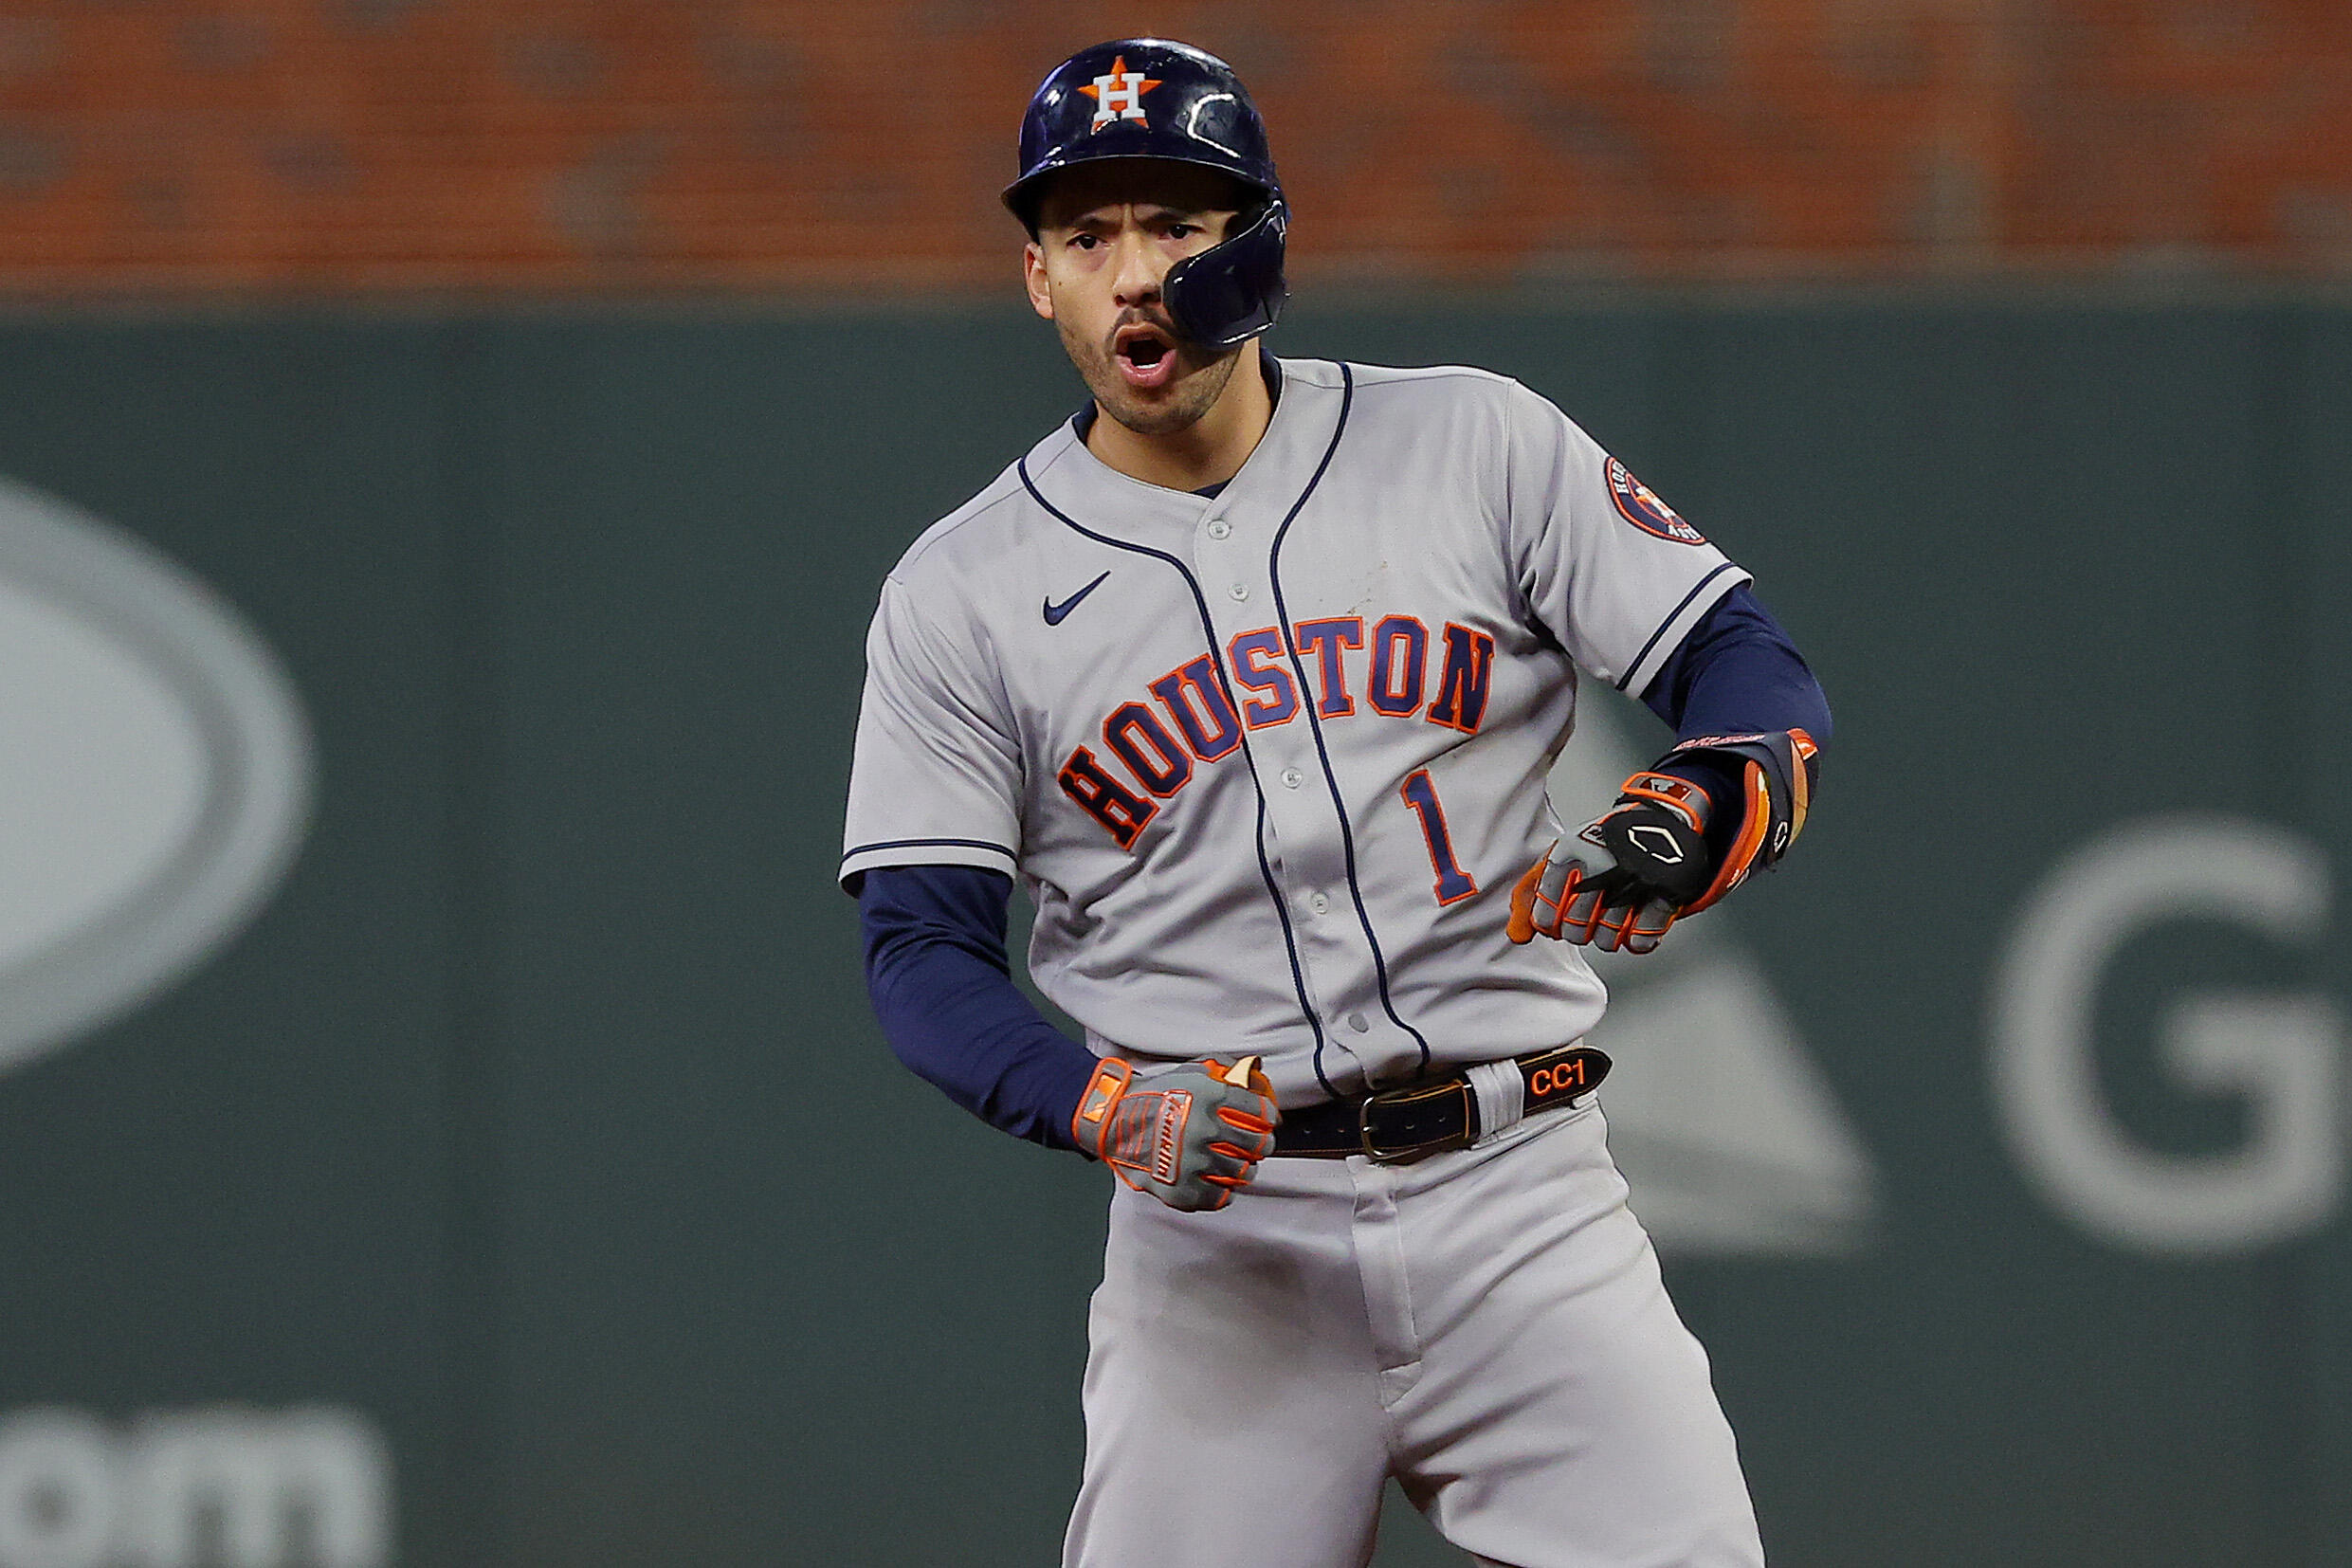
[(1307, 843)]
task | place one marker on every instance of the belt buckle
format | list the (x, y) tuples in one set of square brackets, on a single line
[(1403, 1094)]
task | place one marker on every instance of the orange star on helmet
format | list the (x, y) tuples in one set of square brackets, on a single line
[(1118, 94)]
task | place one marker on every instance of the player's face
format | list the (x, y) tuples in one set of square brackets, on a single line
[(1106, 235)]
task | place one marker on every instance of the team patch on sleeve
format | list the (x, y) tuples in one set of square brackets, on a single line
[(1639, 505)]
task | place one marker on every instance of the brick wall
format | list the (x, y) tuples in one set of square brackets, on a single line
[(412, 146)]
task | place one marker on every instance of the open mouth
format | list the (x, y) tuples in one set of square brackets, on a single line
[(1146, 355)]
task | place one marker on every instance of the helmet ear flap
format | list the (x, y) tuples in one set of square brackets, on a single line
[(1233, 291)]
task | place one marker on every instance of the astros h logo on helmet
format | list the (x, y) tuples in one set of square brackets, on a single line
[(1118, 94)]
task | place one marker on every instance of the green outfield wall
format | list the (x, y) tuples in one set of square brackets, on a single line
[(462, 1141)]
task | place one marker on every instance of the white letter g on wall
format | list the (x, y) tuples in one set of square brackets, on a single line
[(2284, 1052)]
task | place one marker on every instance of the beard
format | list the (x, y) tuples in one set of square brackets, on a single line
[(1150, 410)]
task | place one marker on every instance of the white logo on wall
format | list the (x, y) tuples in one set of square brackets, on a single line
[(155, 778), (1724, 1125), (153, 786), (220, 1487), (2282, 1051)]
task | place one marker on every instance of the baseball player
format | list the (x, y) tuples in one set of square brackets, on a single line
[(1252, 674)]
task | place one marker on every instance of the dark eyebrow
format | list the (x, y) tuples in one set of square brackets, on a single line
[(1160, 210)]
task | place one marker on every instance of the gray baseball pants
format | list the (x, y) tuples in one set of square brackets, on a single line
[(1487, 1326)]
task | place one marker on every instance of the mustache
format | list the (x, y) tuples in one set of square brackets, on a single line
[(1137, 317)]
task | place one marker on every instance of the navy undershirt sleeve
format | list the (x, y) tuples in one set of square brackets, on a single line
[(1736, 673), (941, 988)]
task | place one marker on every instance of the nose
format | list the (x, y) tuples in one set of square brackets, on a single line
[(1139, 272)]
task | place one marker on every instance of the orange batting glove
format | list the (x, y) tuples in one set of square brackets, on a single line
[(1192, 1135)]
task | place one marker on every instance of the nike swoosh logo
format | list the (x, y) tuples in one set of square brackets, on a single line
[(1055, 611)]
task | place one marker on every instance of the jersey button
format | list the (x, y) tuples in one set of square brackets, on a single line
[(1220, 529), (1319, 903), (1361, 1023), (1239, 591), (1292, 778)]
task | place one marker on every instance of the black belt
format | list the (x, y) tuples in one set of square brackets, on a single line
[(1434, 1114)]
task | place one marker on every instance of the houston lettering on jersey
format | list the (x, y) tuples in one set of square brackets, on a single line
[(1151, 748)]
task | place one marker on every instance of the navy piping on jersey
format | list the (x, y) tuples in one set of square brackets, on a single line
[(1331, 779), (1209, 629), (849, 855), (1669, 620)]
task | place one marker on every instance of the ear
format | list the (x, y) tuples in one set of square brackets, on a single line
[(1033, 275)]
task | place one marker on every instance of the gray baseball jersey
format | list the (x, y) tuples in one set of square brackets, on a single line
[(1268, 763)]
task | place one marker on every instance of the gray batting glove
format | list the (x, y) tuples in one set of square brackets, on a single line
[(1191, 1137)]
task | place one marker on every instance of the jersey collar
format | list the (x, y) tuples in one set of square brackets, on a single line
[(1306, 406)]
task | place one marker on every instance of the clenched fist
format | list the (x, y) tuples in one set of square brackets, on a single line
[(1192, 1135)]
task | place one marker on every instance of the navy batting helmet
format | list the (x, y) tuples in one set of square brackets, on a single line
[(1150, 98)]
